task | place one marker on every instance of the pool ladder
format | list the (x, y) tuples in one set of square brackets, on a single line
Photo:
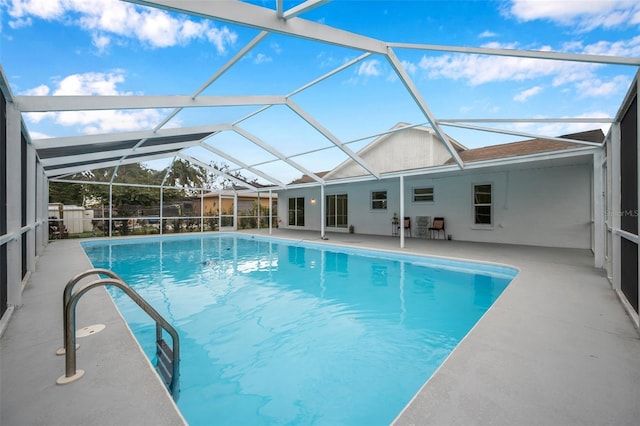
[(167, 358)]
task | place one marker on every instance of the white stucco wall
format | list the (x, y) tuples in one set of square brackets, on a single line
[(548, 206)]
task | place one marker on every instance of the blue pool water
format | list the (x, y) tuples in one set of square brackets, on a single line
[(280, 333)]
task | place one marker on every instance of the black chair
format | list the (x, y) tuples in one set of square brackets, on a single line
[(437, 226), (407, 226)]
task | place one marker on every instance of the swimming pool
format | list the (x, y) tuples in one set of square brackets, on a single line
[(281, 332)]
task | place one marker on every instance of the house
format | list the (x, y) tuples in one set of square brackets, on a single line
[(534, 192)]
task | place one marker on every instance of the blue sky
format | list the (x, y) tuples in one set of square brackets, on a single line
[(110, 47)]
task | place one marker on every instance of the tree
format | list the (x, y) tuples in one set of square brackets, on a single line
[(183, 176), (60, 192), (186, 175), (123, 195), (216, 180)]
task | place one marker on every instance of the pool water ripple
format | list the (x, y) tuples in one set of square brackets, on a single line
[(278, 334)]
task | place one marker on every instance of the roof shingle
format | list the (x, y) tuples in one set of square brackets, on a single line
[(532, 146)]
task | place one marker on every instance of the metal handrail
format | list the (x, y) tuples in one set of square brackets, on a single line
[(70, 320), (68, 289)]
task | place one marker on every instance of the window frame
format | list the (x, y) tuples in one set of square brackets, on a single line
[(384, 201), (414, 195), (339, 220), (295, 216), (476, 205)]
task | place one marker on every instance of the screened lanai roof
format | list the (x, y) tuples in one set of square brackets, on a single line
[(297, 120)]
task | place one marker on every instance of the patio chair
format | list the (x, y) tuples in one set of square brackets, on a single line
[(437, 226), (407, 226)]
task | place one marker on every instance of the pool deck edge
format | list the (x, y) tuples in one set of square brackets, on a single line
[(119, 385)]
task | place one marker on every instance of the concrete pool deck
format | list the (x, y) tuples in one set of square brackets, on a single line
[(557, 348)]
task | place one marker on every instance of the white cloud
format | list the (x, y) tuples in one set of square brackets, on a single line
[(221, 38), (480, 69), (39, 135), (581, 77), (410, 67), (20, 23), (526, 94), (618, 48), (369, 68), (94, 84), (44, 9), (261, 58), (501, 45), (153, 27), (90, 84), (595, 87), (42, 90), (585, 15), (101, 41), (37, 117), (276, 47), (93, 122), (487, 34)]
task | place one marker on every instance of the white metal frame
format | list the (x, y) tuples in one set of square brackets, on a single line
[(286, 22)]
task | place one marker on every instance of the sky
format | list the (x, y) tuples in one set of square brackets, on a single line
[(111, 47)]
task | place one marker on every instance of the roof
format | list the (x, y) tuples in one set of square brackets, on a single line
[(494, 152), (308, 179), (527, 147)]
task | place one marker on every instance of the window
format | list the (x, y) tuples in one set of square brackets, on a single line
[(482, 214), (336, 211), (296, 211), (423, 194), (379, 200)]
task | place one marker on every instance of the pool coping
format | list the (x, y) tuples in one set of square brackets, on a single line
[(574, 359)]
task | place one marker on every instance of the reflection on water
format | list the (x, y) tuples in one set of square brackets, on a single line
[(292, 334)]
